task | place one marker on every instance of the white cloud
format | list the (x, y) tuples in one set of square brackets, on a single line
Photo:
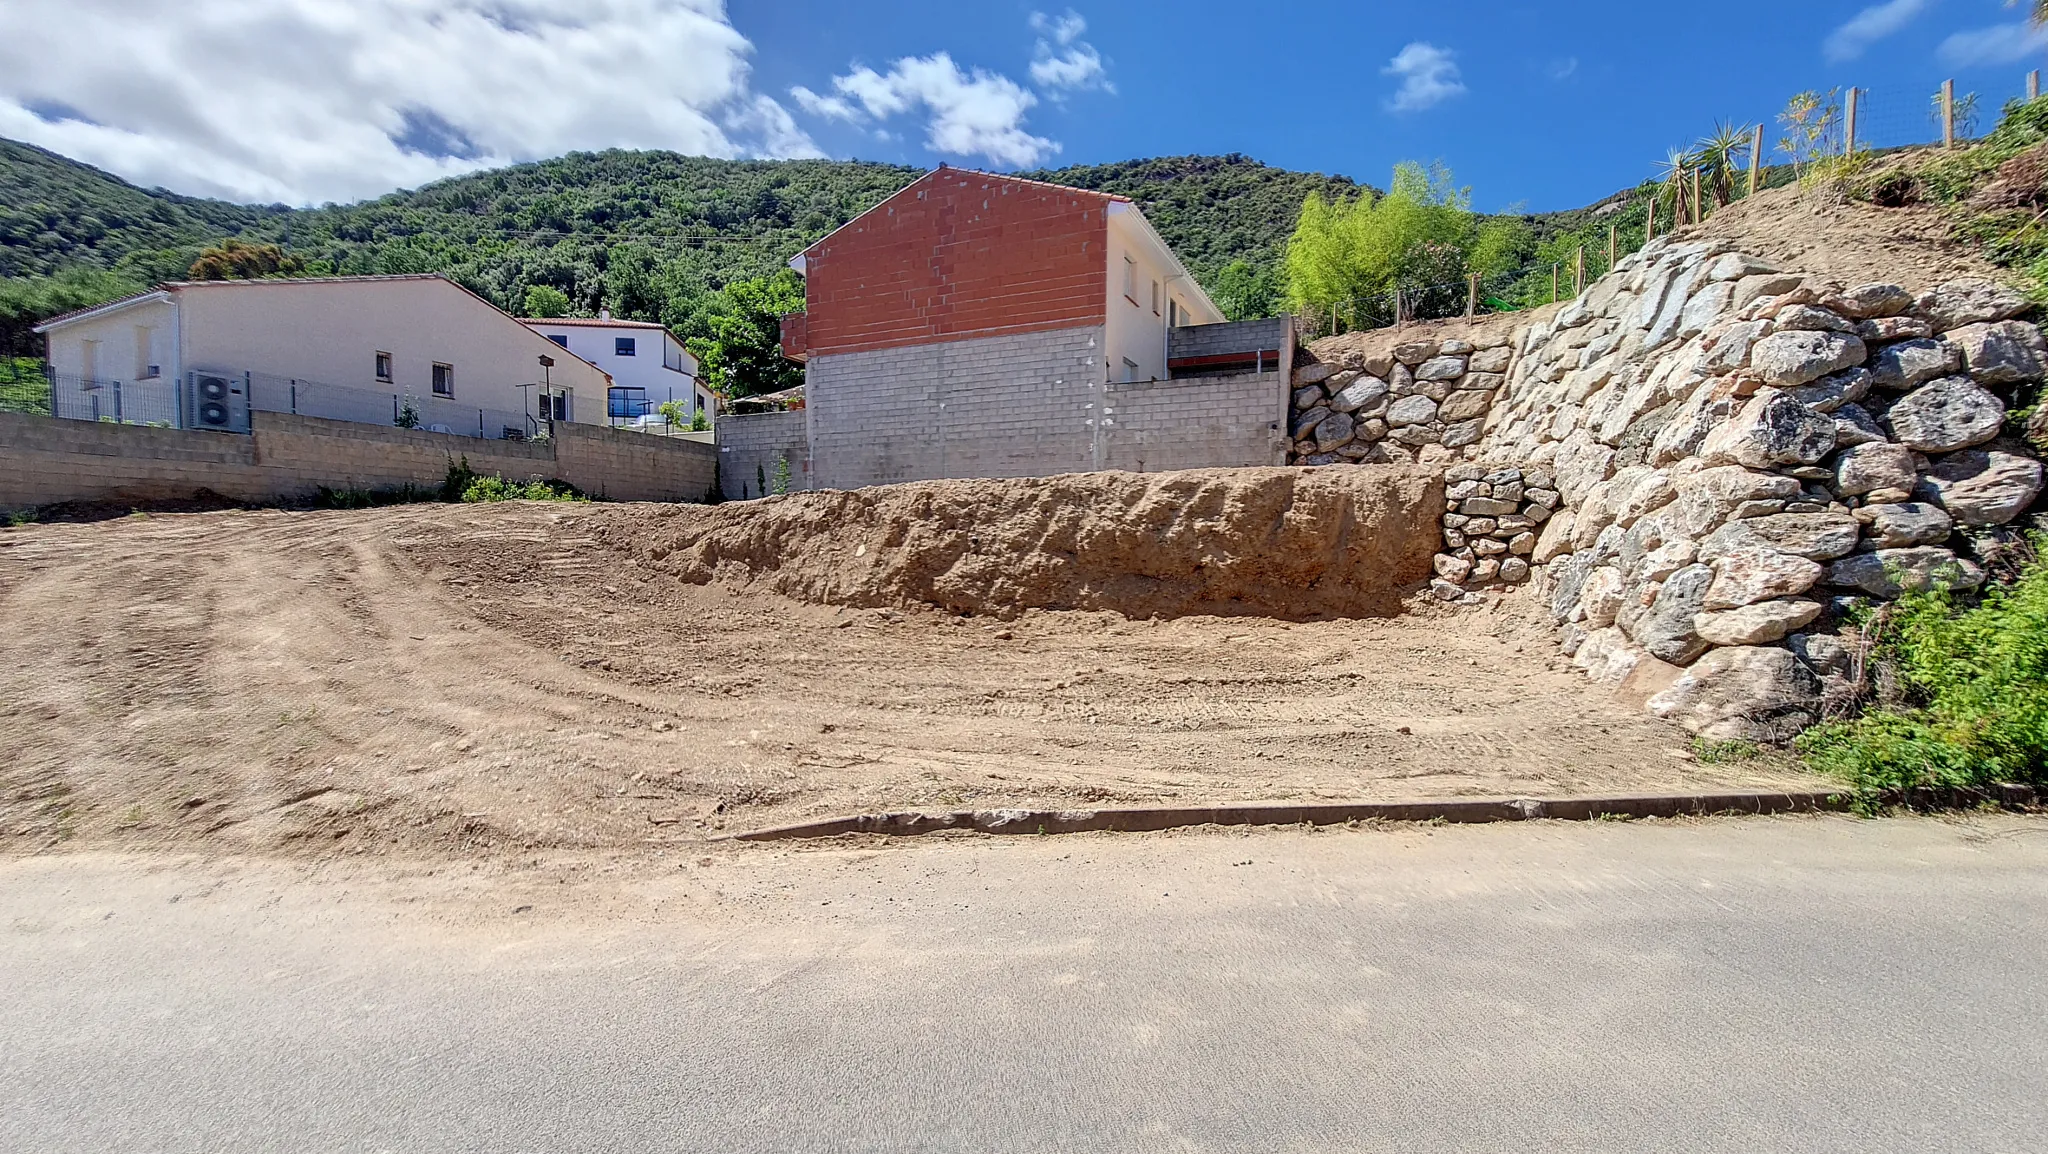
[(309, 100), (1062, 60), (971, 113), (1429, 76), (1563, 69), (1869, 26), (1998, 44)]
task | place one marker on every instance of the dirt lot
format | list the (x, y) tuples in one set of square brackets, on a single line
[(465, 679)]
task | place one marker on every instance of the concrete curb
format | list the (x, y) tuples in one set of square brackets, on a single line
[(1462, 810)]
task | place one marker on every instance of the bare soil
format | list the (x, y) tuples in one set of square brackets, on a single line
[(481, 680), (1807, 231)]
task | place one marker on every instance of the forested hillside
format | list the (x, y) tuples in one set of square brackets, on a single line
[(642, 232)]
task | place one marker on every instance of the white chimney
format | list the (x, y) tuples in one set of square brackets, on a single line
[(604, 314)]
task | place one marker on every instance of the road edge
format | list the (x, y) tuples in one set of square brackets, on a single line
[(1151, 819)]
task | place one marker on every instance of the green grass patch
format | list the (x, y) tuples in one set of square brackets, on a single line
[(1971, 704), (484, 489)]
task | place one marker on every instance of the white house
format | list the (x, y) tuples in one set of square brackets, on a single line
[(412, 350), (648, 365)]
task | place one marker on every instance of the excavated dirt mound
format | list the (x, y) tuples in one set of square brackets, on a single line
[(1286, 543)]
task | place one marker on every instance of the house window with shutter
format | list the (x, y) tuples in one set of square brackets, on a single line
[(444, 381)]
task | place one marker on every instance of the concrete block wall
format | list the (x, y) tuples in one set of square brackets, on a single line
[(1008, 406), (1197, 423), (1026, 406), (750, 446), (46, 461), (1229, 337)]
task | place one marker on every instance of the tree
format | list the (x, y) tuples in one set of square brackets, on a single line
[(1245, 293), (28, 301), (1414, 239), (236, 259), (546, 301), (743, 355)]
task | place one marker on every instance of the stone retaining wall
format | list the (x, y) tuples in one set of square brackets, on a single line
[(1741, 458), (1372, 407)]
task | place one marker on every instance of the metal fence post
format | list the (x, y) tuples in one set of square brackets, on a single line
[(117, 402)]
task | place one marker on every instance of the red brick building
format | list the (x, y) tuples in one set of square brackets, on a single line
[(980, 325)]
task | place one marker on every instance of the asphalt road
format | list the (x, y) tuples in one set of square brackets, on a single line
[(1798, 984)]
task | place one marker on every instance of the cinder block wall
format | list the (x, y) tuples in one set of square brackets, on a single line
[(1007, 406), (1025, 405), (750, 446), (1198, 423), (1229, 337), (45, 461)]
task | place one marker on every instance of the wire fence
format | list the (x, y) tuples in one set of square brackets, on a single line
[(275, 394), (152, 401), (1759, 153)]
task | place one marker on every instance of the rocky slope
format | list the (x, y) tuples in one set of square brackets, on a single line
[(1741, 458)]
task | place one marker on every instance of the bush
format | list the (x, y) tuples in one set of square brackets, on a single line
[(497, 488), (1974, 681)]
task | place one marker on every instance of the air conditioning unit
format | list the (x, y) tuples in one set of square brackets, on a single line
[(217, 401)]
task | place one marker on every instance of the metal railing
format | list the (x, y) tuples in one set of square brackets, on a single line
[(275, 394), (151, 401)]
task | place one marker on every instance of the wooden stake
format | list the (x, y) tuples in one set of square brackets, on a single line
[(1579, 271), (1553, 282), (1471, 294), (1948, 114), (1756, 158), (2033, 86), (1613, 234), (1650, 222), (1849, 139)]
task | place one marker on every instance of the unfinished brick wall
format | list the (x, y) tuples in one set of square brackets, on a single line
[(750, 447), (959, 254), (1027, 405), (45, 461)]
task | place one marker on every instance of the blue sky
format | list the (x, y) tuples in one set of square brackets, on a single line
[(1550, 106), (1554, 105)]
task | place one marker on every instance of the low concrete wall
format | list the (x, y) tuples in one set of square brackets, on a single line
[(1196, 423), (44, 461), (750, 447)]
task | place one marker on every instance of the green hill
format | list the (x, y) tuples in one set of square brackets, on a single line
[(645, 233)]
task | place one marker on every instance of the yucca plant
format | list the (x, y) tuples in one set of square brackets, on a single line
[(1720, 156)]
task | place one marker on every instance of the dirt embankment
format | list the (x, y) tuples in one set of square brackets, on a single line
[(1286, 543)]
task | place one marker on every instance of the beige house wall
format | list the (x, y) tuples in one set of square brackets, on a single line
[(122, 343)]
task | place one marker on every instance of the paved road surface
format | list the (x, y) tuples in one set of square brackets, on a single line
[(1799, 984)]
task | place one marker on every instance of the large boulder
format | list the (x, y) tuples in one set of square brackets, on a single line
[(1494, 360), (1772, 429), (1666, 628), (1910, 363), (1758, 624), (1981, 487), (1945, 415), (2001, 352), (1792, 358), (1744, 693), (1867, 468), (1334, 430), (1870, 301), (1967, 301), (1834, 390), (1359, 394), (1441, 369), (1414, 410), (1752, 574), (1902, 523), (1814, 536), (1602, 597), (1890, 572), (1710, 496)]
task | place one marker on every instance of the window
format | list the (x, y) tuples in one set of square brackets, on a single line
[(1130, 370), (555, 406), (1130, 280), (1155, 298), (444, 381), (625, 403), (622, 346), (383, 366), (562, 340)]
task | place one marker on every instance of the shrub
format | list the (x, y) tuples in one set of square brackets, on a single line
[(1974, 694), (497, 488)]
